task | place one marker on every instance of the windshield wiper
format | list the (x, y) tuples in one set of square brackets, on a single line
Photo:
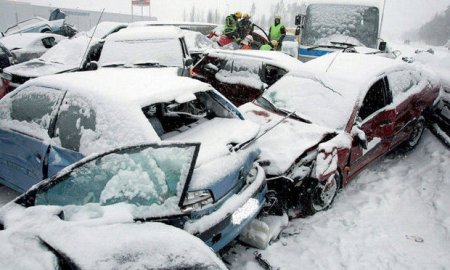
[(149, 64), (274, 108), (343, 44), (113, 65)]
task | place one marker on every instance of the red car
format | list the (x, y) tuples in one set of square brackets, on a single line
[(343, 112)]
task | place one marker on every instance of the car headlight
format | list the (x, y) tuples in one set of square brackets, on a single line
[(6, 76), (197, 199)]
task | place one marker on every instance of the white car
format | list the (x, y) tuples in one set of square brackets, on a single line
[(76, 115)]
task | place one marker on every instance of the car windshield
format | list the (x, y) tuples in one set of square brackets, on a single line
[(23, 25), (310, 99), (152, 176), (327, 24), (69, 52), (165, 52)]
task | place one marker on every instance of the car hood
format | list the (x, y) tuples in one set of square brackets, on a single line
[(282, 145), (46, 239), (217, 168), (37, 68)]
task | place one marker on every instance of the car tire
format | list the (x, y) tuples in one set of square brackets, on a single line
[(315, 197), (414, 137)]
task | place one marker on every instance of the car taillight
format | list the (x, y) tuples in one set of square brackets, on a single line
[(4, 88)]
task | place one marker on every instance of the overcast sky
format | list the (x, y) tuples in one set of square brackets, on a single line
[(400, 15)]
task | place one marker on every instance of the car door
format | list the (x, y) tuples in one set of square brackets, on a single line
[(376, 118), (153, 179), (76, 120), (26, 123)]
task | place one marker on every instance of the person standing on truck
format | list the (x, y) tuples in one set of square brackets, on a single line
[(245, 26), (231, 26), (277, 31)]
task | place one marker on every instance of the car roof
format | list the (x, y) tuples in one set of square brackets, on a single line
[(146, 32), (131, 85), (354, 67), (269, 57), (22, 40)]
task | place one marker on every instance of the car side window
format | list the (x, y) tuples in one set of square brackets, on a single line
[(272, 74), (402, 81), (75, 117), (36, 104), (376, 98), (48, 42)]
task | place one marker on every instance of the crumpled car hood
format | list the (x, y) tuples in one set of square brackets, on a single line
[(286, 142)]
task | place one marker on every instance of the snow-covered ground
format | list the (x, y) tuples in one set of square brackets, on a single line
[(394, 215)]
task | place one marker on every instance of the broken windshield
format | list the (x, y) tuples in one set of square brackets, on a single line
[(328, 23)]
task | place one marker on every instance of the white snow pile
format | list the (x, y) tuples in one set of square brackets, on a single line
[(394, 215)]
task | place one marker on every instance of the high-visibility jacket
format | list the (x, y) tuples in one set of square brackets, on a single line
[(230, 24), (275, 32), (266, 47)]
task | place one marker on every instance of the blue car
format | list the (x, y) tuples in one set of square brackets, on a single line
[(55, 121)]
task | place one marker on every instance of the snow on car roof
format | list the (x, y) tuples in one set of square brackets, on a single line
[(354, 67), (146, 32), (105, 28), (23, 40), (271, 57), (138, 86)]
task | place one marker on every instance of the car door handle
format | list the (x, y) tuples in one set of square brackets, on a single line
[(385, 122), (38, 157)]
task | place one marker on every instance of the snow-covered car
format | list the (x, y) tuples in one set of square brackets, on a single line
[(440, 117), (243, 75), (54, 121), (30, 45), (55, 24), (345, 111), (68, 56), (46, 237), (147, 47), (198, 44)]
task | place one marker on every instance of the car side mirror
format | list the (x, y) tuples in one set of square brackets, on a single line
[(188, 62), (298, 20), (91, 66), (211, 68), (382, 47)]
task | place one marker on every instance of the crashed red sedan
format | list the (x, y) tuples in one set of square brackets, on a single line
[(341, 113)]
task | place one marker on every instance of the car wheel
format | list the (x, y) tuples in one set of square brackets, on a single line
[(318, 196), (414, 137)]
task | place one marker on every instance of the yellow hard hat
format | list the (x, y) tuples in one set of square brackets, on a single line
[(245, 15), (278, 17), (238, 14), (274, 43)]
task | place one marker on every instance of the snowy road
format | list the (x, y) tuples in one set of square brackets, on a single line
[(395, 215)]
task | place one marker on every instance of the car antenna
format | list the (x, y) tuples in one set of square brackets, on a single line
[(247, 143), (90, 40)]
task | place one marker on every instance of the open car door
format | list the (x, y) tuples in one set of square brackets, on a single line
[(152, 178)]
